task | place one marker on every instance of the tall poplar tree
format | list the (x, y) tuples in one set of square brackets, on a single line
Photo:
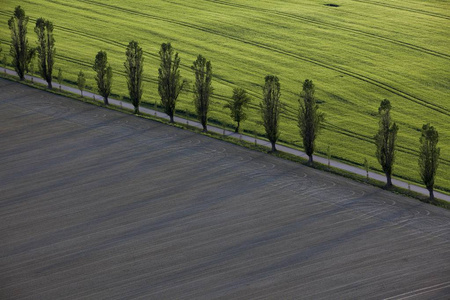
[(202, 89), (134, 66), (270, 109), (385, 140), (309, 118), (170, 84), (20, 51), (103, 75), (45, 49), (429, 157)]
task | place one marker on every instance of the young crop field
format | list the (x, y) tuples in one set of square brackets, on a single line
[(356, 52)]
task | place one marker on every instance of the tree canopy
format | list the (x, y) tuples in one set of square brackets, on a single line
[(270, 109), (20, 51), (170, 83), (240, 101), (385, 140), (202, 88), (45, 49), (309, 118), (103, 75), (429, 157), (134, 66)]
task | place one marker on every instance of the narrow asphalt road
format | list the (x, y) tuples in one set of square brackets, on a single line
[(251, 139)]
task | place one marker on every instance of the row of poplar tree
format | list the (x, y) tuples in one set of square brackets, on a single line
[(171, 84)]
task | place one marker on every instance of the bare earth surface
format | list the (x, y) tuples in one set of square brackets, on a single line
[(96, 204)]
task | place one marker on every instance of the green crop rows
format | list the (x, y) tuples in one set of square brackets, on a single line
[(357, 54)]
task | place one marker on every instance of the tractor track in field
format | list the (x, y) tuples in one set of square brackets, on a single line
[(352, 74), (334, 26), (413, 10)]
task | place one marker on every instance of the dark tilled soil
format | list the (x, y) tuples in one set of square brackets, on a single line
[(96, 204)]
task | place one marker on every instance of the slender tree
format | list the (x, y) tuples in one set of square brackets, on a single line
[(170, 84), (240, 101), (385, 140), (81, 82), (20, 52), (309, 118), (270, 109), (103, 75), (202, 89), (429, 157), (134, 66), (60, 77), (45, 49)]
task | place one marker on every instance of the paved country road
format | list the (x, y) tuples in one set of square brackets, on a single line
[(96, 204)]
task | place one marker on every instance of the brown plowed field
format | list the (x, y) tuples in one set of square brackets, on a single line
[(96, 204)]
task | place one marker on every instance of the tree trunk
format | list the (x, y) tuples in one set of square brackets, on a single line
[(388, 180), (205, 129), (274, 149), (431, 194), (171, 119), (237, 128), (49, 85), (81, 94), (20, 73), (310, 160), (136, 110), (105, 99)]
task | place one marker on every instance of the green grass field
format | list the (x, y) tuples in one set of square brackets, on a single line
[(357, 54)]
